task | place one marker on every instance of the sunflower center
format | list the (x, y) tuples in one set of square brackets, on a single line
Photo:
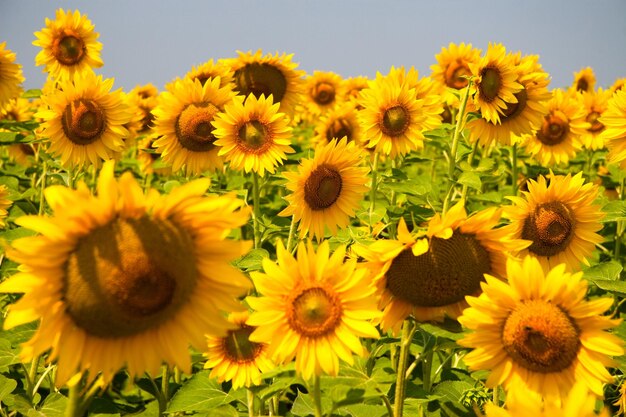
[(455, 74), (27, 149), (323, 93), (83, 121), (513, 110), (193, 127), (596, 125), (129, 276), (541, 337), (554, 129), (253, 136), (323, 187), (490, 83), (69, 48), (395, 121), (258, 79), (314, 312), (582, 85), (338, 129), (238, 347), (550, 228), (450, 269)]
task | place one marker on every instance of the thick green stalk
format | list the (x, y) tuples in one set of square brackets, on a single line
[(619, 227), (250, 399), (73, 403), (292, 231), (408, 329), (317, 396), (373, 188), (514, 168), (256, 216)]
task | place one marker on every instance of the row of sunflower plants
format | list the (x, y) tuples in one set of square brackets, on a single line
[(254, 240)]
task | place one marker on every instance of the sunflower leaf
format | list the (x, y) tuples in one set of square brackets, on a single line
[(200, 393), (606, 271), (616, 287), (615, 210), (53, 406), (6, 386), (471, 179)]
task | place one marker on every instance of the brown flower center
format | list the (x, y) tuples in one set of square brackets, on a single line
[(83, 121), (582, 85), (258, 79), (554, 129), (513, 110), (455, 74), (490, 84), (323, 93), (68, 48), (541, 337), (338, 129), (550, 227), (314, 311), (596, 125), (323, 187), (450, 270), (238, 347), (193, 127), (254, 137), (129, 276), (395, 121)]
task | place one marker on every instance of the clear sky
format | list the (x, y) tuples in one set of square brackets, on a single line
[(154, 41)]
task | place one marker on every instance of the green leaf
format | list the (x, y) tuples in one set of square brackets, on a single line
[(608, 271), (9, 137), (6, 386), (471, 179), (170, 185), (304, 406), (452, 390), (377, 215), (8, 354), (53, 406), (253, 260), (200, 393), (32, 93), (451, 330), (618, 287), (615, 210), (365, 410)]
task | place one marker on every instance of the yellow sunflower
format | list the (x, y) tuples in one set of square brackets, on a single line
[(352, 87), (538, 332), (20, 110), (122, 279), (452, 68), (391, 116), (426, 92), (142, 99), (11, 77), (323, 90), (495, 83), (614, 134), (211, 69), (252, 134), (69, 45), (183, 119), (584, 80), (84, 121), (235, 357), (522, 117), (327, 190), (560, 218), (596, 103), (314, 307), (560, 135), (5, 203), (147, 156), (428, 277), (618, 85), (339, 122), (274, 75)]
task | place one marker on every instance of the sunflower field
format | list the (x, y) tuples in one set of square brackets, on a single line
[(252, 240)]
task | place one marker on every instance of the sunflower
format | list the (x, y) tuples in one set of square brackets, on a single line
[(11, 76), (596, 103), (618, 85), (327, 190), (522, 117), (614, 134), (538, 332), (313, 307), (211, 69), (453, 69), (426, 91), (142, 99), (20, 110), (495, 83), (5, 203), (560, 134), (339, 122), (274, 75), (391, 116), (323, 90), (584, 80), (147, 157), (84, 121), (235, 357), (183, 119), (560, 218), (69, 45), (429, 277), (126, 279), (352, 87), (252, 134)]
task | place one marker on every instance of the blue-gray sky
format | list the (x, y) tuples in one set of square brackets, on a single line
[(153, 41)]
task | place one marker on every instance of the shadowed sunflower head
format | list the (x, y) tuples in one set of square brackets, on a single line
[(11, 76), (596, 103), (614, 134), (453, 69), (584, 80)]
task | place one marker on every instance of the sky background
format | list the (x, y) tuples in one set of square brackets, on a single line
[(154, 41)]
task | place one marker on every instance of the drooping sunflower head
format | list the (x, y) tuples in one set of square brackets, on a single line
[(11, 77), (595, 103), (323, 90), (538, 332), (69, 45), (326, 190), (453, 69), (560, 135), (559, 217), (614, 134), (5, 203), (429, 277), (235, 357), (84, 120), (183, 118), (253, 135), (126, 279), (584, 80), (337, 123), (313, 307), (495, 83), (211, 69), (266, 75)]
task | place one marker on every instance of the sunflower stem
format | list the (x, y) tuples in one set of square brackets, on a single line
[(373, 188), (427, 366), (88, 397), (619, 226), (73, 403), (250, 400), (32, 374), (44, 173), (317, 396), (165, 383), (470, 161), (408, 330), (496, 396), (292, 230), (256, 210), (514, 169)]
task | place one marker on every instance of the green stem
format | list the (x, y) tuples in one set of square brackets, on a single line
[(427, 366), (408, 329), (470, 161), (496, 396), (373, 188), (88, 397), (73, 403), (387, 404), (292, 230), (165, 383), (317, 396), (32, 374), (250, 398), (514, 168), (159, 396), (619, 226), (44, 173), (256, 210)]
